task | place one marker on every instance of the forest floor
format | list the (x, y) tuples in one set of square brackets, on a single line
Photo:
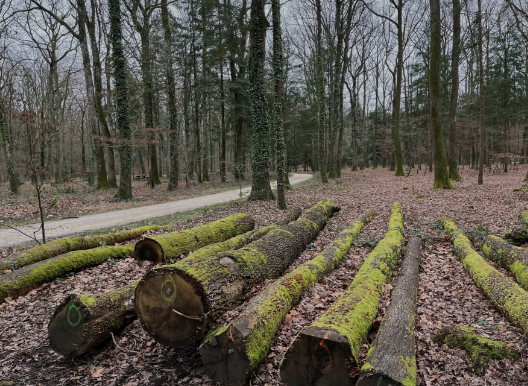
[(447, 294)]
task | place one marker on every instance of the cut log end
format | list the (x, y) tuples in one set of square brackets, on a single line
[(318, 357), (224, 358), (171, 307), (150, 250), (376, 380), (66, 328)]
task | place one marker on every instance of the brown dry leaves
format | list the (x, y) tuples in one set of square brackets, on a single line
[(446, 294)]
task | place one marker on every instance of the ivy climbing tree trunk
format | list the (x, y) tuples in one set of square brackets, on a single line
[(277, 105), (171, 100), (320, 89), (260, 184), (455, 62), (441, 173), (121, 89)]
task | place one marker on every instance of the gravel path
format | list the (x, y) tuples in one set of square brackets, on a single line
[(69, 226)]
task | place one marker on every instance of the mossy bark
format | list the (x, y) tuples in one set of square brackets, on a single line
[(480, 349), (391, 359), (81, 322), (326, 350), (517, 236), (291, 215), (515, 259), (29, 277), (60, 246), (234, 352), (506, 296), (523, 218), (175, 303), (172, 245)]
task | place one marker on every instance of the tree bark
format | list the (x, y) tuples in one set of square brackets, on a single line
[(515, 259), (392, 357), (507, 296), (172, 245), (25, 279), (260, 183), (5, 136), (482, 121), (235, 351), (441, 172), (65, 245), (321, 103), (479, 348), (322, 352), (455, 62), (176, 303)]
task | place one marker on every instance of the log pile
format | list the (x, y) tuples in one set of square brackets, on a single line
[(175, 303), (321, 353), (232, 353), (508, 256)]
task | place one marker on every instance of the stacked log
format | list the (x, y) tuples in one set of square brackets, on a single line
[(506, 296), (81, 322), (163, 248), (322, 353), (508, 256), (391, 359), (175, 303), (23, 280), (232, 353), (65, 245)]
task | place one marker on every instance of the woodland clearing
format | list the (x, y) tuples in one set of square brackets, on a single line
[(447, 295)]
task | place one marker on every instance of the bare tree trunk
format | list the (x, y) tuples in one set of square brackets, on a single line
[(482, 129), (455, 61)]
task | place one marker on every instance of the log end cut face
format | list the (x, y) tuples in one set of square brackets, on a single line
[(317, 357), (149, 250), (171, 307), (66, 328), (224, 357)]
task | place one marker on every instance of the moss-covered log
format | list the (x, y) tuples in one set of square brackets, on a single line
[(232, 353), (175, 303), (81, 322), (65, 245), (324, 353), (517, 236), (515, 259), (172, 245), (25, 279), (480, 349), (523, 218), (391, 359), (506, 296), (290, 215)]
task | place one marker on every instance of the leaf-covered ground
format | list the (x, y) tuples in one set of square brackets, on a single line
[(446, 294)]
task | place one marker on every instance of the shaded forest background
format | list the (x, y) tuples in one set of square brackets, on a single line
[(345, 101)]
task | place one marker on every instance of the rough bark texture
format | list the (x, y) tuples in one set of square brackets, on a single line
[(60, 246), (233, 353), (391, 359), (27, 278), (175, 303), (515, 259), (506, 296), (479, 348), (291, 215), (173, 245), (81, 322), (324, 352)]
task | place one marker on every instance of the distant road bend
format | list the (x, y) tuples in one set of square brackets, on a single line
[(65, 227)]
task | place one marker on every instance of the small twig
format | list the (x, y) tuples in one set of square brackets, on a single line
[(18, 230), (188, 316), (122, 348)]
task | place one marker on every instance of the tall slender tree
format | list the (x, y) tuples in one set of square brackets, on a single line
[(260, 184), (121, 90), (455, 83), (320, 90), (441, 174), (482, 129), (278, 65)]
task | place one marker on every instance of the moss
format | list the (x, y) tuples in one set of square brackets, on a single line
[(523, 218), (88, 300), (353, 313), (503, 293)]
